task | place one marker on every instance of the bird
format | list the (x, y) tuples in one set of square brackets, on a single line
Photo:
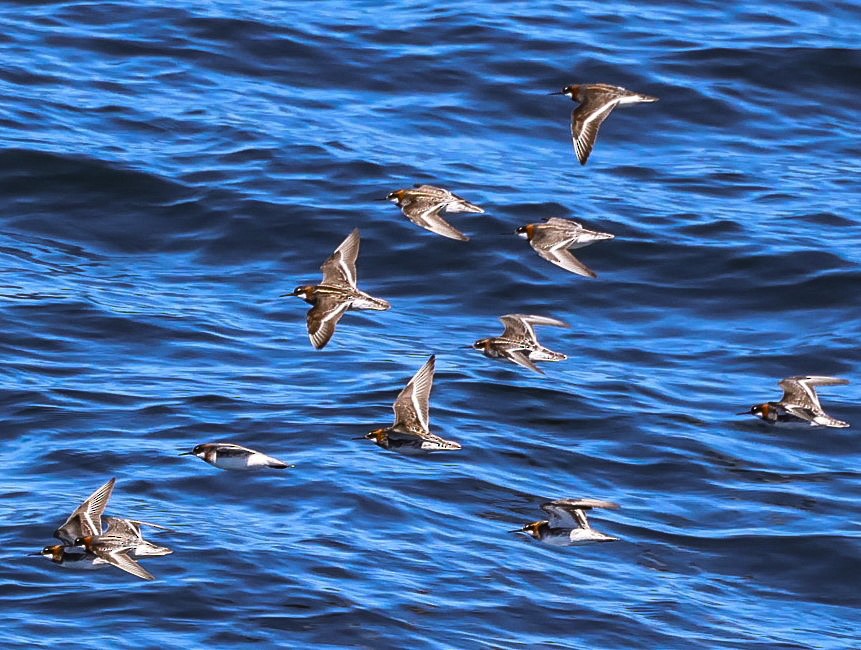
[(518, 342), (120, 539), (226, 455), (68, 556), (424, 205), (115, 550), (337, 293), (567, 524), (86, 519), (552, 239), (597, 101), (799, 404), (410, 432)]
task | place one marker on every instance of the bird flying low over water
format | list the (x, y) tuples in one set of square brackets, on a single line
[(226, 455), (115, 550), (518, 342), (424, 205), (552, 239), (799, 404), (596, 101), (69, 556), (567, 524), (86, 545), (410, 432), (337, 293)]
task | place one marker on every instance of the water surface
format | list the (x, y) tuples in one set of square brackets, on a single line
[(168, 170)]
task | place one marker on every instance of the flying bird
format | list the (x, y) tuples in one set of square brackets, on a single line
[(567, 524), (596, 102), (337, 293), (518, 342), (424, 205), (553, 239), (799, 404), (410, 432)]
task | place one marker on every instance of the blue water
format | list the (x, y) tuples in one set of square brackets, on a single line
[(168, 169)]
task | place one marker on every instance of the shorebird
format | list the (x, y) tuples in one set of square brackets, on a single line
[(518, 342), (799, 404), (337, 293), (70, 557), (552, 239), (597, 101), (424, 205), (226, 455), (121, 538), (567, 524), (126, 531), (114, 550), (410, 432)]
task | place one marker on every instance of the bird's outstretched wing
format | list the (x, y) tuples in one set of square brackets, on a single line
[(122, 560), (563, 258), (412, 404), (801, 391), (87, 518), (521, 325), (571, 513), (323, 317), (340, 268), (586, 119)]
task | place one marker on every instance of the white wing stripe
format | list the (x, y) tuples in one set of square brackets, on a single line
[(418, 409)]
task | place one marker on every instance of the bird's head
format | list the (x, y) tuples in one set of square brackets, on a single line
[(572, 92), (525, 231), (53, 553), (305, 292), (534, 529), (379, 436), (763, 411), (482, 344), (199, 451)]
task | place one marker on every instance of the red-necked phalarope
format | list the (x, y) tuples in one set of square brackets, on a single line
[(597, 101), (116, 551), (518, 342), (410, 432), (567, 523), (226, 455), (552, 239), (128, 530), (799, 404), (70, 557), (337, 293), (424, 204), (86, 523)]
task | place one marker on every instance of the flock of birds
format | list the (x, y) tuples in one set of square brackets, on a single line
[(85, 544), (90, 540)]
